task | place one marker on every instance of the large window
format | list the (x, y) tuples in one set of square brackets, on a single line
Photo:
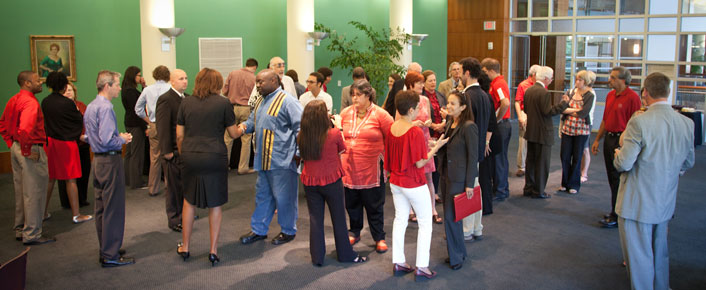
[(643, 36)]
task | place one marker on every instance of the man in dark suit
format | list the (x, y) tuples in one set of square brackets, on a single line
[(483, 114), (540, 132), (166, 116)]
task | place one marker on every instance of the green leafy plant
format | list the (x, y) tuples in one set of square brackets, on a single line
[(378, 58)]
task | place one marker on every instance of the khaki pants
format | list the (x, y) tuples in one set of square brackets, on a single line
[(154, 185), (30, 179), (241, 115), (521, 150)]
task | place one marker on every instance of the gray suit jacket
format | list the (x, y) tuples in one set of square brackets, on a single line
[(539, 110), (657, 145), (460, 157), (346, 97)]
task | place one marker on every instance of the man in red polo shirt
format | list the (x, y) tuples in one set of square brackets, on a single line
[(500, 93), (620, 104), (22, 127), (522, 118)]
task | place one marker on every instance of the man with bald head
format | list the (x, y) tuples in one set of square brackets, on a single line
[(275, 121), (277, 64), (415, 66), (166, 119)]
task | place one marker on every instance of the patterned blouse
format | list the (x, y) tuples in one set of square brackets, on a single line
[(575, 126)]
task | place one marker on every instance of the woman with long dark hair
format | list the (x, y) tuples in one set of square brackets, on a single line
[(459, 166), (135, 150), (202, 119), (63, 124), (406, 154), (320, 146)]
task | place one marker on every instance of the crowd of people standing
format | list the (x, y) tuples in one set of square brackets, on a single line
[(430, 144)]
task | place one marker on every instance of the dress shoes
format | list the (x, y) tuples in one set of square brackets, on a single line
[(176, 228), (381, 246), (251, 237), (609, 223), (399, 270), (520, 173), (541, 196), (122, 261), (282, 238), (40, 241), (120, 252), (353, 239), (453, 267)]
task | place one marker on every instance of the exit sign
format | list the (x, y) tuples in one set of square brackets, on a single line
[(488, 25)]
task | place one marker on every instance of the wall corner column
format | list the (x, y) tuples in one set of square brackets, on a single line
[(401, 15), (300, 21), (153, 15)]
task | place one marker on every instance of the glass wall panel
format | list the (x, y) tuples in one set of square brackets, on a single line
[(664, 6), (594, 46), (632, 7), (691, 94), (562, 25), (595, 66), (691, 48), (662, 24), (595, 7), (563, 8), (519, 26), (631, 47), (691, 6), (595, 25), (539, 25), (540, 8), (661, 47), (634, 68), (519, 8), (632, 25), (693, 23)]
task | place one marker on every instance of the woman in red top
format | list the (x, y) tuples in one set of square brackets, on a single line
[(320, 146), (365, 127), (405, 157)]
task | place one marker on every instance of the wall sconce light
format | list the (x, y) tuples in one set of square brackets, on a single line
[(416, 40), (636, 49), (170, 35), (315, 38)]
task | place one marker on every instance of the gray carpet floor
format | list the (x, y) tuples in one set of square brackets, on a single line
[(529, 244)]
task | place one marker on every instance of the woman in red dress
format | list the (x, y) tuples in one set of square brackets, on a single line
[(63, 124)]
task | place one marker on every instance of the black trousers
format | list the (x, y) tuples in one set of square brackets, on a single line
[(135, 157), (571, 155), (435, 176), (109, 190), (501, 187), (175, 190), (537, 168), (373, 200), (84, 152), (485, 179), (454, 230), (316, 199), (610, 143)]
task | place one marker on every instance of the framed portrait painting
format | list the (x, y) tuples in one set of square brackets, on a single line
[(53, 53)]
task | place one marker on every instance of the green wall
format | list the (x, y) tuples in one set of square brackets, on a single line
[(429, 17), (262, 25), (106, 32)]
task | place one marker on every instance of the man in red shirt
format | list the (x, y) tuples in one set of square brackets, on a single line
[(22, 127), (620, 104), (522, 118), (500, 94)]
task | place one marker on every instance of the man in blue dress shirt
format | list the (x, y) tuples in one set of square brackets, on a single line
[(109, 175), (275, 121)]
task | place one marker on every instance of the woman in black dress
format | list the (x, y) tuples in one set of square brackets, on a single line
[(135, 150), (201, 121)]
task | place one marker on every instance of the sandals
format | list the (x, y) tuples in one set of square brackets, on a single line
[(437, 219), (573, 191), (360, 259)]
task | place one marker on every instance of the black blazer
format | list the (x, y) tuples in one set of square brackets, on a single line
[(539, 110), (483, 114), (62, 119), (166, 120), (459, 157)]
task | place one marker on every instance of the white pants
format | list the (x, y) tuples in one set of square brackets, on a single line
[(472, 224), (418, 198), (521, 150)]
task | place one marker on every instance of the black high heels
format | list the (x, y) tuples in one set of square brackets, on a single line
[(184, 255), (213, 258)]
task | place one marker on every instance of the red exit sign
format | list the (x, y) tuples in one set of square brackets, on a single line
[(488, 25)]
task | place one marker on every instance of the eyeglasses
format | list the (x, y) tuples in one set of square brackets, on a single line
[(310, 82), (281, 64)]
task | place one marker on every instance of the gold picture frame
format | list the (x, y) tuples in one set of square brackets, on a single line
[(53, 53)]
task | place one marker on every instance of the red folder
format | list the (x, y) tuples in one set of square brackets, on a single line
[(464, 206)]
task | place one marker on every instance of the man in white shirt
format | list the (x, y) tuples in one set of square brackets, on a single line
[(146, 108), (277, 64), (315, 83)]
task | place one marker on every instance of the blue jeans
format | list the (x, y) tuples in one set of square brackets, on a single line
[(571, 154), (275, 189)]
